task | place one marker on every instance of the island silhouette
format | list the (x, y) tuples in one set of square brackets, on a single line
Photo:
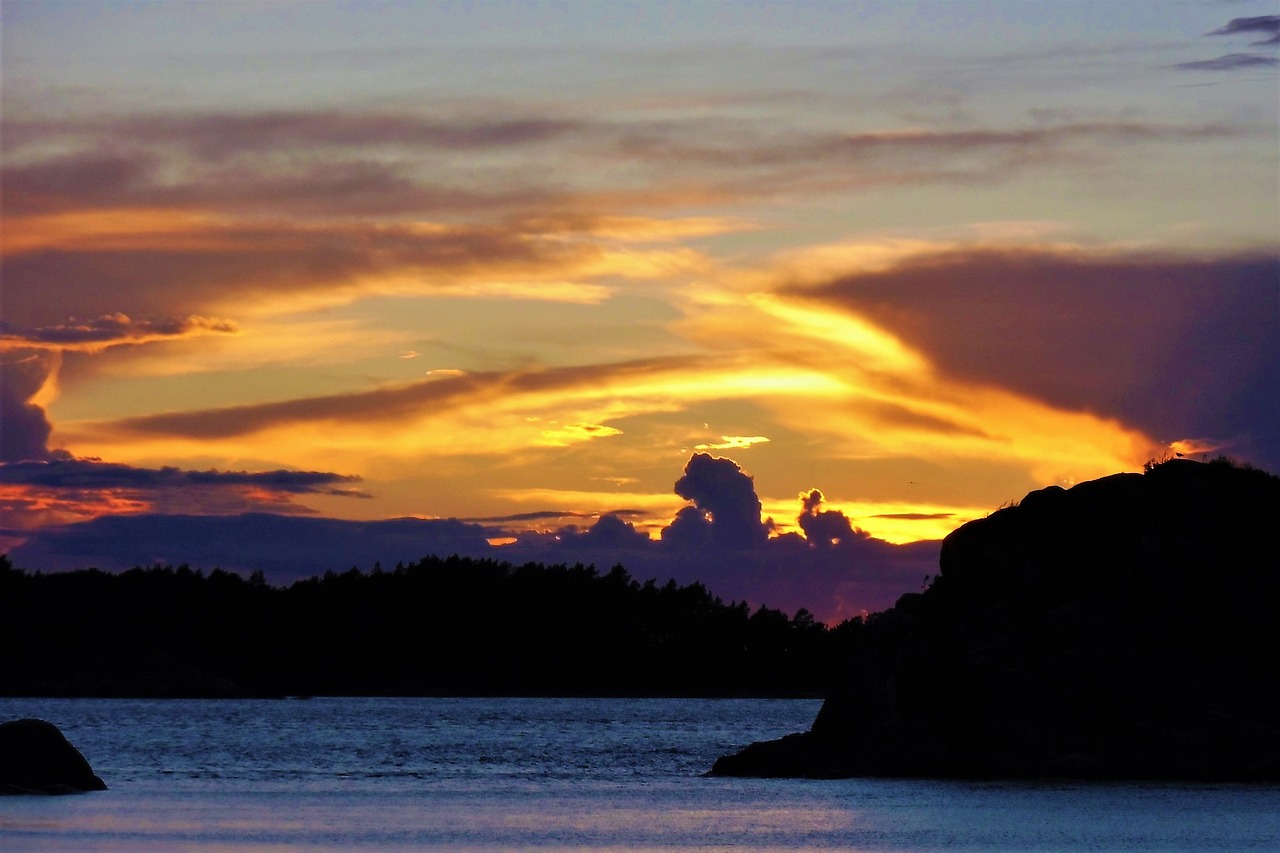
[(1123, 628)]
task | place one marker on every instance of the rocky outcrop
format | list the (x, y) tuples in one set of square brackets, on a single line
[(1123, 628), (35, 758)]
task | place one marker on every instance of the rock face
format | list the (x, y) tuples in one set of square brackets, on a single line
[(1124, 628), (35, 758)]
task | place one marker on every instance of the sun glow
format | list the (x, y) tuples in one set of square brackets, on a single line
[(897, 522), (875, 348), (650, 512)]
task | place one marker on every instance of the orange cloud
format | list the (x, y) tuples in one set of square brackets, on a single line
[(889, 397), (112, 229), (484, 413)]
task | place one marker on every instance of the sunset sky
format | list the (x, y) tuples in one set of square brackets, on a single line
[(515, 264)]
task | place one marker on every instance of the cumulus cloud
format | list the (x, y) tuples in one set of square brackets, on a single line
[(824, 528), (727, 497), (611, 532), (839, 572), (689, 529), (24, 427)]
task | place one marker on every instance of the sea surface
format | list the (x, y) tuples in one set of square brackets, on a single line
[(515, 774)]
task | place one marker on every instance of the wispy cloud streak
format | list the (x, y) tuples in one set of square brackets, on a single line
[(1269, 24), (1230, 62), (107, 331)]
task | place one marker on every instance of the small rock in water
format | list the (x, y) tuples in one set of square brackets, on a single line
[(35, 758)]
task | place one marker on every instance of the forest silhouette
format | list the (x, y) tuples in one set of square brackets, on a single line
[(439, 626)]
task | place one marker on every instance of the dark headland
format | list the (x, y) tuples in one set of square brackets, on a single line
[(1126, 628)]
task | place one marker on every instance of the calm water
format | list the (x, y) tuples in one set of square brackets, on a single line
[(493, 774)]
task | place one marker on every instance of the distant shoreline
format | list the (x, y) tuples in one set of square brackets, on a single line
[(439, 627)]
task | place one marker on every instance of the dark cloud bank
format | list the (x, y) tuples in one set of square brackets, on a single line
[(38, 483), (94, 474), (1182, 348), (834, 570)]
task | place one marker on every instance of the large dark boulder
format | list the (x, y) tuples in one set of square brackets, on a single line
[(1123, 628), (35, 758)]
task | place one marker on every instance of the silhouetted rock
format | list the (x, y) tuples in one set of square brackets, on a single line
[(1123, 628), (35, 758)]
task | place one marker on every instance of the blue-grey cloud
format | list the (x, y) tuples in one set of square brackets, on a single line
[(844, 574), (1269, 24), (1230, 62), (689, 530), (609, 532), (95, 474), (285, 548)]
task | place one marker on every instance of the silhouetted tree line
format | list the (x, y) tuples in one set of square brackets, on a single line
[(440, 626)]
